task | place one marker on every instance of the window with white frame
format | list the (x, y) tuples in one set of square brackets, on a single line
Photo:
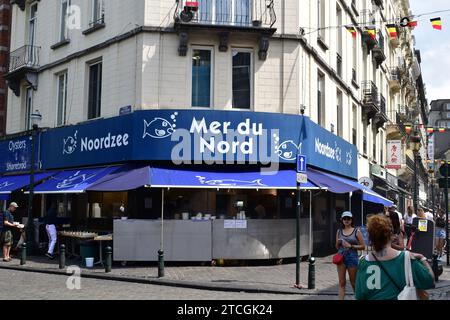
[(235, 12), (32, 23), (321, 99), (321, 5), (98, 12), (340, 113), (95, 90), (202, 80), (61, 110), (242, 79), (63, 30)]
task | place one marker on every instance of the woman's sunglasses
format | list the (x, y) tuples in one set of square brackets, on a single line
[(347, 218)]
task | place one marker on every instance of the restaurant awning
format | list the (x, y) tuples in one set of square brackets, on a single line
[(74, 181), (341, 184), (9, 184), (184, 178)]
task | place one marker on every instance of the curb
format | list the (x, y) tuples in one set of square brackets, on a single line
[(173, 283)]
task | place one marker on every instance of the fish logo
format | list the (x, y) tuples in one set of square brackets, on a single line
[(349, 158), (288, 150), (5, 184), (338, 153), (160, 128), (230, 182), (70, 144), (74, 180)]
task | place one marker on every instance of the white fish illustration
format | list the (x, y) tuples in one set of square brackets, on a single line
[(5, 184), (70, 144), (75, 180), (158, 128), (288, 150), (231, 182)]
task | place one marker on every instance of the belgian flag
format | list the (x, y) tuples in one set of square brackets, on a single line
[(392, 30), (373, 32), (430, 130), (436, 23), (352, 30), (441, 130)]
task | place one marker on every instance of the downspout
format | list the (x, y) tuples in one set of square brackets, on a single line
[(283, 31)]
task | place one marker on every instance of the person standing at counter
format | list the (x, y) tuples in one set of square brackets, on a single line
[(50, 221), (6, 232)]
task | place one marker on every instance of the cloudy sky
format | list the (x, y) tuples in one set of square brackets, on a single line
[(434, 46)]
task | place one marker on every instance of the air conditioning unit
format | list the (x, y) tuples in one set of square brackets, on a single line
[(189, 10)]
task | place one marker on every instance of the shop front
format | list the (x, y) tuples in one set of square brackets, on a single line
[(202, 185)]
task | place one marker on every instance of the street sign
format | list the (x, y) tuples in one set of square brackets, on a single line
[(125, 110), (302, 178), (301, 163), (366, 181)]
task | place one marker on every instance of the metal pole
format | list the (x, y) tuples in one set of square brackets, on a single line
[(161, 249), (446, 213), (30, 224), (297, 260), (310, 225), (415, 183)]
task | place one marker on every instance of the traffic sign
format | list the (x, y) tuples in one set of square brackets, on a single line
[(302, 178), (301, 163)]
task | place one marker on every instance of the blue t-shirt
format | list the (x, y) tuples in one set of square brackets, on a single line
[(6, 216)]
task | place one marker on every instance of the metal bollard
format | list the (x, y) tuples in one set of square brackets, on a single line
[(23, 254), (62, 256), (312, 273), (160, 263), (108, 259)]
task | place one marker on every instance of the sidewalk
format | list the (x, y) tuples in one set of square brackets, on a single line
[(265, 279)]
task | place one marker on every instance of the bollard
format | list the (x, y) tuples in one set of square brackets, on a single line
[(160, 263), (312, 273), (62, 256), (108, 259), (23, 254)]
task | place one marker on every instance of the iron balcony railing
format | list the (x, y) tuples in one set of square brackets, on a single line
[(24, 57), (369, 93), (243, 13)]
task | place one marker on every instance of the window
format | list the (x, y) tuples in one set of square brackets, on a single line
[(447, 106), (32, 24), (339, 41), (364, 138), (354, 58), (321, 99), (242, 79), (381, 148), (374, 142), (340, 112), (237, 12), (355, 126), (28, 108), (62, 99), (321, 18), (65, 4), (98, 13), (95, 90), (201, 77)]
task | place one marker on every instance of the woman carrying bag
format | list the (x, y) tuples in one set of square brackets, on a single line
[(348, 241)]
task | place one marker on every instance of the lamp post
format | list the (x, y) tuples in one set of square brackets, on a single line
[(35, 118), (414, 141)]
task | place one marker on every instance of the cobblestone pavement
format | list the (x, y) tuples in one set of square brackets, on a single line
[(274, 279)]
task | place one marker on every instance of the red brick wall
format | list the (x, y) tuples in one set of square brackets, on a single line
[(5, 27)]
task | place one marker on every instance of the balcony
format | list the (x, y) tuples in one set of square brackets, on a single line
[(394, 79), (23, 65), (378, 51), (224, 17), (381, 117), (369, 99)]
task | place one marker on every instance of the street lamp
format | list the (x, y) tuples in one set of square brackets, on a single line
[(414, 143), (35, 118)]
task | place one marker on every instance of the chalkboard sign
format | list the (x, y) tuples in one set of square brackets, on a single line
[(423, 240)]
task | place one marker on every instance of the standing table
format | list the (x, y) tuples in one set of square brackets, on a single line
[(100, 239)]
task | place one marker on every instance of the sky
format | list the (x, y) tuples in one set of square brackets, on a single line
[(434, 46)]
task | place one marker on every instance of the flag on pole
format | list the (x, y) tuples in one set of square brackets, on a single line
[(412, 24), (430, 130), (436, 23), (408, 129), (392, 30), (372, 32), (352, 30), (441, 130)]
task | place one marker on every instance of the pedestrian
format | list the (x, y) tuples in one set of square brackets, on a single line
[(8, 225), (381, 274), (421, 214), (408, 218), (398, 235), (440, 232), (348, 241), (50, 221)]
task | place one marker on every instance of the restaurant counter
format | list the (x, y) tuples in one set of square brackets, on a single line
[(188, 240)]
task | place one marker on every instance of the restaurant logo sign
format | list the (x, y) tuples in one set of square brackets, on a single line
[(94, 144), (16, 154), (394, 160), (160, 128)]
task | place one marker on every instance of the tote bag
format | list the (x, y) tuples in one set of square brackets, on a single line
[(409, 291)]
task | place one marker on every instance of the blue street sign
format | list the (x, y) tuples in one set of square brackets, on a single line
[(301, 163)]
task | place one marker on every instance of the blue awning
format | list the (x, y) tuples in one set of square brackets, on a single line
[(368, 194), (9, 184), (74, 181), (183, 178), (329, 181)]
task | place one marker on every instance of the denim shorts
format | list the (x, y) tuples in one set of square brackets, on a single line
[(351, 258), (440, 233)]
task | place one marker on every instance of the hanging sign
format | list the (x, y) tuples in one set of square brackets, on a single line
[(394, 159)]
